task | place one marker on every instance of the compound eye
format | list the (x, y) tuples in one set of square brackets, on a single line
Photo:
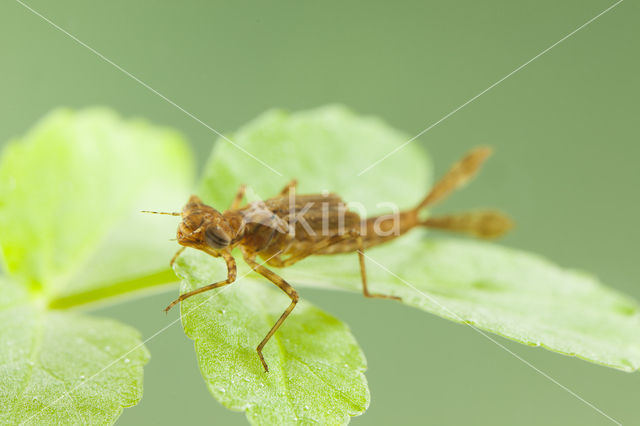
[(216, 237)]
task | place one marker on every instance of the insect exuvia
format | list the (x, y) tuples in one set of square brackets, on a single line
[(287, 228)]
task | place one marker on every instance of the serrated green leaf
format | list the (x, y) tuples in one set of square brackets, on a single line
[(52, 368), (517, 295), (315, 365), (71, 192), (71, 232)]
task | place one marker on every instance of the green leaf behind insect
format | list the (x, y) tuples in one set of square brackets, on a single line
[(515, 294), (508, 292), (315, 365), (71, 192), (324, 149)]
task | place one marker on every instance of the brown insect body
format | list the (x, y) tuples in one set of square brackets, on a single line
[(287, 228)]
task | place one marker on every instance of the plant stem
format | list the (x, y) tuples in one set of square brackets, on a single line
[(104, 293)]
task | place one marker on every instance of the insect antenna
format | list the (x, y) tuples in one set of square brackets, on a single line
[(167, 213)]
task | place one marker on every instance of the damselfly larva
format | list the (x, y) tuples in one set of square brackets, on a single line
[(287, 228)]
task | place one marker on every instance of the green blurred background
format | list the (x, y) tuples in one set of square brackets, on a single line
[(566, 167)]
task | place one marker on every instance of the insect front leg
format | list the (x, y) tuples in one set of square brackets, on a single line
[(175, 256), (231, 277), (284, 286)]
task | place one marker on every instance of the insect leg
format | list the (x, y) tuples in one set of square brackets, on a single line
[(284, 286), (363, 272), (337, 239), (237, 200), (175, 256), (291, 185), (320, 245), (231, 277)]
